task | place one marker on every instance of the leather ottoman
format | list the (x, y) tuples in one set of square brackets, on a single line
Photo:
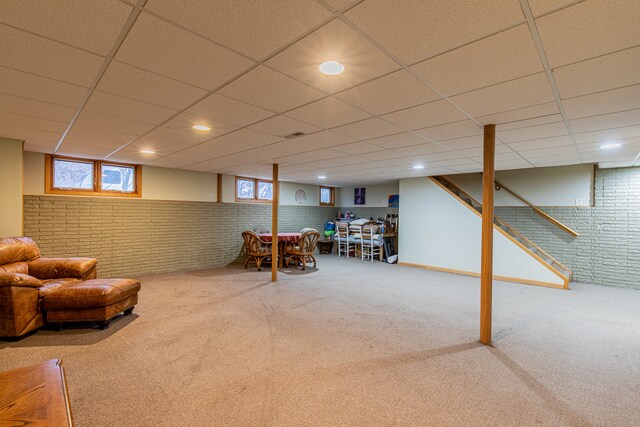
[(97, 300)]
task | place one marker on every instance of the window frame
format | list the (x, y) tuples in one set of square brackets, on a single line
[(255, 198), (332, 202), (96, 190)]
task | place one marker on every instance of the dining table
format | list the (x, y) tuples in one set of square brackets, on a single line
[(283, 240)]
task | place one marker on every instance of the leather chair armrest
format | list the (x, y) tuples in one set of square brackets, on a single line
[(19, 279), (59, 268)]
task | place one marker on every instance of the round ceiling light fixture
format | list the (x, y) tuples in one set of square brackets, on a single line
[(610, 145), (331, 68), (322, 177), (417, 167), (147, 152), (201, 127)]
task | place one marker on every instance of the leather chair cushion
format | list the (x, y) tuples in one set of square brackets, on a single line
[(54, 268), (16, 249), (50, 285), (91, 293), (15, 267), (18, 279)]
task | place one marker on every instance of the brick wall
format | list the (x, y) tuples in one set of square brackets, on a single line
[(136, 237), (607, 251)]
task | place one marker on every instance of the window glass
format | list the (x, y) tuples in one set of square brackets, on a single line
[(265, 190), (325, 195), (72, 174), (117, 178), (246, 188)]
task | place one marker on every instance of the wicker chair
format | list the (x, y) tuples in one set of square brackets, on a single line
[(303, 251), (257, 249)]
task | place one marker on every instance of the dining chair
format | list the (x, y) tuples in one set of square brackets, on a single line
[(303, 251), (370, 246), (257, 249), (342, 237)]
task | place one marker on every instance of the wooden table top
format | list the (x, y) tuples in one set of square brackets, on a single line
[(35, 395)]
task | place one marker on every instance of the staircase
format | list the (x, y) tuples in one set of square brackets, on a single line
[(507, 230)]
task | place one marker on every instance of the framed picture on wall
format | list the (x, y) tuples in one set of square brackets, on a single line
[(394, 201), (358, 196)]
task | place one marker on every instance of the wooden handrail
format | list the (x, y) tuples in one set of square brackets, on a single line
[(544, 215)]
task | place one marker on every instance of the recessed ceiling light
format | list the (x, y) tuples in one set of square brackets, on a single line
[(322, 177), (418, 167), (331, 68), (201, 127), (610, 146), (147, 152)]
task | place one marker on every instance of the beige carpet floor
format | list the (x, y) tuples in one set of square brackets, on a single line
[(351, 344)]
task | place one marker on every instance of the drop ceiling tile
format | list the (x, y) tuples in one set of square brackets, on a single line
[(426, 115), (37, 55), (609, 135), (124, 80), (628, 146), (477, 151), (451, 130), (40, 146), (542, 7), (229, 110), (551, 118), (17, 120), (445, 25), (501, 158), (505, 56), (608, 165), (286, 148), (537, 144), (611, 101), (568, 159), (131, 155), (283, 125), (169, 162), (125, 108), (248, 138), (512, 164), (606, 72), (204, 151), (606, 121), (165, 140), (90, 136), (271, 90), (368, 128), (400, 140), (215, 165), (166, 49), (564, 150), (327, 113), (357, 148), (520, 114), (589, 29), (101, 121), (337, 42), (389, 93), (325, 139), (84, 151), (421, 149), (340, 4), (184, 122), (253, 28), (533, 132), (516, 94), (90, 25), (463, 143), (28, 107), (25, 134), (38, 88)]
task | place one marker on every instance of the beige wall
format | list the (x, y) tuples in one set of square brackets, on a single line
[(375, 195), (157, 183), (553, 186), (10, 187)]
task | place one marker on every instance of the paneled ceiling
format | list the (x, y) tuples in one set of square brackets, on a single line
[(117, 79)]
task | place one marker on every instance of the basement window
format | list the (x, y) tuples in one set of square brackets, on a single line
[(253, 190), (83, 177), (327, 196)]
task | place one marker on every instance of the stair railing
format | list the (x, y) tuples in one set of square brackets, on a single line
[(544, 215), (500, 222)]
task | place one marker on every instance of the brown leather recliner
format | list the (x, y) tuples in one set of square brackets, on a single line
[(26, 278)]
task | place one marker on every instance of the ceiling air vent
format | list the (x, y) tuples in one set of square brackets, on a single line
[(293, 135)]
